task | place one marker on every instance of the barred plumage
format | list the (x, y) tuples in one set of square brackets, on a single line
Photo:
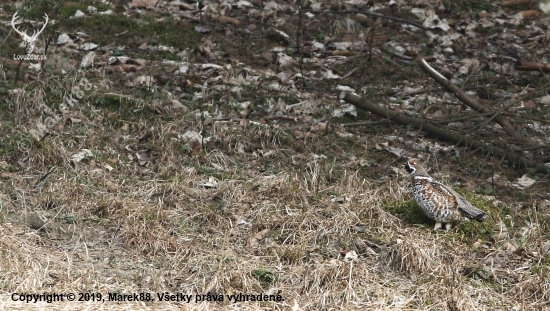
[(438, 201)]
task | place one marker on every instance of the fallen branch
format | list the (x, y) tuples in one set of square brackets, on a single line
[(455, 137), (460, 94), (367, 13), (365, 123), (530, 66), (434, 89), (494, 116)]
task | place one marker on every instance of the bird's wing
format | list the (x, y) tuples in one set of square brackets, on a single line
[(438, 192), (466, 208), (446, 193)]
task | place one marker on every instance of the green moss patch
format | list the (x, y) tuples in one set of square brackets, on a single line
[(409, 212), (131, 32)]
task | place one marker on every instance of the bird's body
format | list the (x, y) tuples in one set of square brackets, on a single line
[(438, 201)]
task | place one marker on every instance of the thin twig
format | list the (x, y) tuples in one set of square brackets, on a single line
[(354, 124), (460, 94), (298, 43), (415, 24), (494, 115), (510, 52)]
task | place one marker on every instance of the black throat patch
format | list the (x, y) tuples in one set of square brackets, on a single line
[(409, 168)]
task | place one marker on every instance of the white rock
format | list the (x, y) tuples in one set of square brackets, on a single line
[(63, 38), (79, 13)]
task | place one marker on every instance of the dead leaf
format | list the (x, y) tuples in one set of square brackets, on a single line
[(343, 134), (144, 157), (514, 2), (301, 134), (529, 104), (351, 256), (529, 13), (195, 147), (253, 241), (143, 4), (524, 182), (211, 183), (232, 20), (128, 68), (84, 153)]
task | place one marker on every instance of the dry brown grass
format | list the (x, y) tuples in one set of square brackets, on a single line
[(321, 232), (156, 229)]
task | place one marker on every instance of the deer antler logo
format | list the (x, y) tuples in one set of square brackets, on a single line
[(29, 41)]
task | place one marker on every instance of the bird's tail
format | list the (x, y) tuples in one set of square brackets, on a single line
[(481, 216), (473, 212)]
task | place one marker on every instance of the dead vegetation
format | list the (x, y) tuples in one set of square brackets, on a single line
[(193, 152)]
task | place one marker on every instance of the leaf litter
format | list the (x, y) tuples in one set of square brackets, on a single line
[(223, 167)]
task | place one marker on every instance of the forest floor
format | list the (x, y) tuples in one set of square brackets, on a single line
[(205, 154)]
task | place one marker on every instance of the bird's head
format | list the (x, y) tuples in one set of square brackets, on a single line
[(414, 168)]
